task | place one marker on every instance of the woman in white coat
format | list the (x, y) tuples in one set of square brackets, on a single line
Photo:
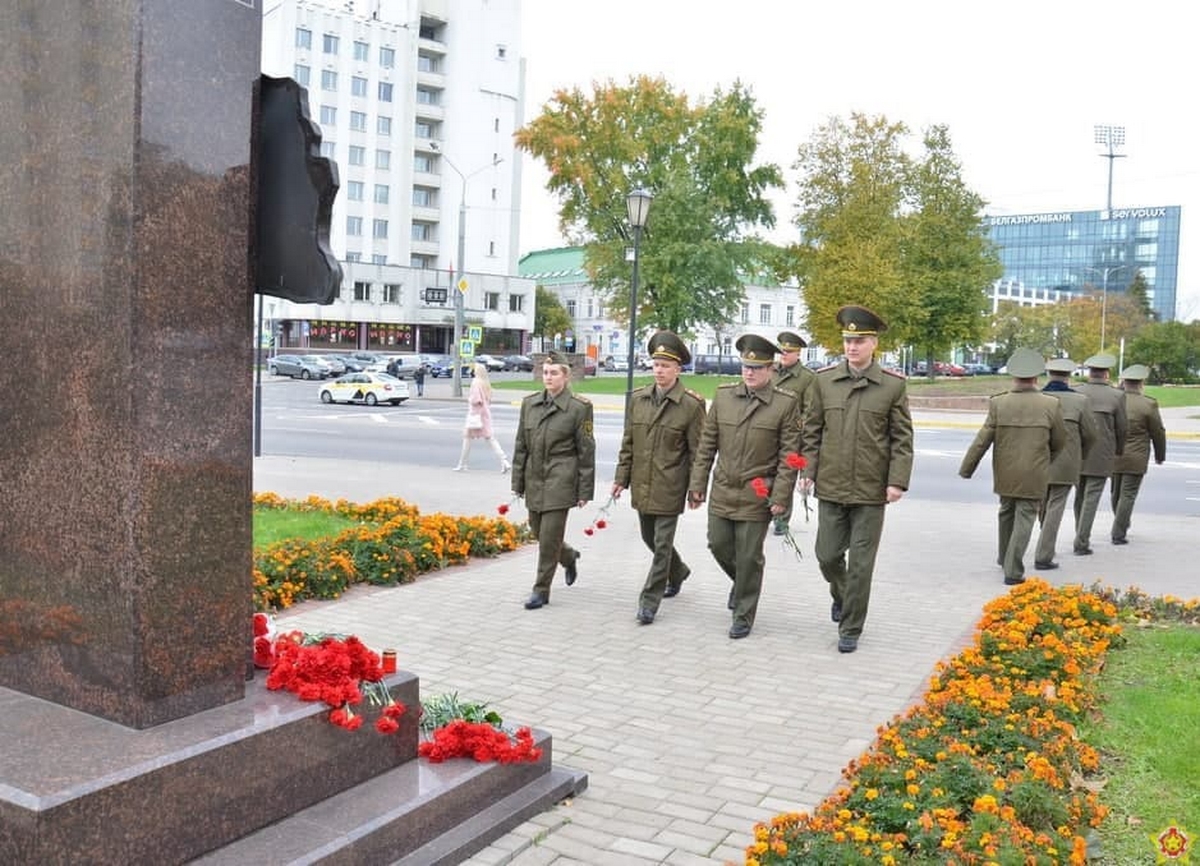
[(478, 424)]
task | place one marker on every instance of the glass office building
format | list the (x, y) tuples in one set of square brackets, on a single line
[(1049, 257)]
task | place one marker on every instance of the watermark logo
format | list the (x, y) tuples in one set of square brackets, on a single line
[(1173, 845)]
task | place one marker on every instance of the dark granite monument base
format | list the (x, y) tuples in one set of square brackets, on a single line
[(267, 775)]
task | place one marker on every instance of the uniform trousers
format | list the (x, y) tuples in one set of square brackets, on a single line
[(658, 532), (549, 527), (847, 543), (1053, 507), (1125, 487), (1087, 501), (737, 546), (1017, 517)]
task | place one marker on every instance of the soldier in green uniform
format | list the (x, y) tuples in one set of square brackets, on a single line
[(1064, 469), (749, 433), (662, 433), (1026, 427), (1145, 429), (1108, 411), (858, 444), (793, 376), (554, 468)]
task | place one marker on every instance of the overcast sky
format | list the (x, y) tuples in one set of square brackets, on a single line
[(1020, 85)]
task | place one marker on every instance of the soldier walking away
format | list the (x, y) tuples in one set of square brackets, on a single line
[(1108, 411), (749, 433), (662, 432), (1064, 469), (858, 445), (554, 468), (792, 376), (1025, 430), (1145, 430)]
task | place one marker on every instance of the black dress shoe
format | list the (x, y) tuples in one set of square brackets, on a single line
[(537, 600), (671, 591), (1083, 551), (1045, 566), (645, 616), (739, 630), (572, 574), (1013, 581), (847, 644), (835, 612), (1120, 541)]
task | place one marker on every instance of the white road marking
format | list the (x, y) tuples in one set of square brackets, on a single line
[(428, 419)]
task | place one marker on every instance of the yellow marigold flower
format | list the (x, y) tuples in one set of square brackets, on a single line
[(871, 793)]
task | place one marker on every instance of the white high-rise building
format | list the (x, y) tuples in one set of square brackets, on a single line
[(417, 102)]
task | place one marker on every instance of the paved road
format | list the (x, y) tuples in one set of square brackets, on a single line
[(689, 738)]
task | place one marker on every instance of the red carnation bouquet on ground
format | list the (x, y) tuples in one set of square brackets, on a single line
[(337, 670), (481, 741)]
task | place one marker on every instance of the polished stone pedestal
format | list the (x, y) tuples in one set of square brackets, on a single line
[(266, 779)]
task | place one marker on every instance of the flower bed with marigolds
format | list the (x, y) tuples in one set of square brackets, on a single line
[(988, 768), (392, 543)]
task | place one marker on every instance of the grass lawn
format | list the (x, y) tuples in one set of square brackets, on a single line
[(1148, 734), (969, 386), (271, 525)]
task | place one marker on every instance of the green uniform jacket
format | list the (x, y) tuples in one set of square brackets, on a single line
[(1108, 411), (1145, 428), (749, 435), (798, 379), (1027, 428), (658, 447), (1081, 435), (554, 457), (858, 437)]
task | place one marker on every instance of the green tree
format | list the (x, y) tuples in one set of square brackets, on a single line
[(1170, 349), (903, 236), (1139, 291), (949, 261), (709, 197), (550, 317), (1039, 328)]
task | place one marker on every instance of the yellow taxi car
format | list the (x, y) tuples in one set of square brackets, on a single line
[(369, 388)]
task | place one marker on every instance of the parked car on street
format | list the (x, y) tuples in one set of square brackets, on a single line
[(518, 362), (446, 370), (298, 367), (728, 365), (368, 388), (493, 364), (352, 364)]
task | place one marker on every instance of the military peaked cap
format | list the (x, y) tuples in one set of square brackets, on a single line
[(858, 321), (1136, 373), (1101, 361), (756, 351), (1061, 365), (669, 347), (1026, 364), (554, 357), (789, 341)]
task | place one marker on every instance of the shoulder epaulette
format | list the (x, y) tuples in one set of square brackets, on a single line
[(728, 385), (581, 398), (895, 373), (790, 393), (832, 366), (695, 394)]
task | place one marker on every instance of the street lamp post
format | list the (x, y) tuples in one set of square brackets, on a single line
[(1104, 272), (460, 294), (638, 205)]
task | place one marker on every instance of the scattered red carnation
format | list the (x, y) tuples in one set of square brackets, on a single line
[(481, 741), (600, 524), (503, 508), (796, 461), (587, 530)]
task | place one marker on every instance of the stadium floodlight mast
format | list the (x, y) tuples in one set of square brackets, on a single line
[(1111, 137)]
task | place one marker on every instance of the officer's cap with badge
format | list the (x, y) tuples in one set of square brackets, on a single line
[(556, 357), (666, 346), (1061, 366), (1026, 364), (1101, 361), (756, 351), (789, 341), (858, 321), (1136, 373)]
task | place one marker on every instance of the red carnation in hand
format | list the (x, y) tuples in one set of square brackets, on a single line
[(600, 524), (587, 530), (760, 488), (795, 461), (503, 508)]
